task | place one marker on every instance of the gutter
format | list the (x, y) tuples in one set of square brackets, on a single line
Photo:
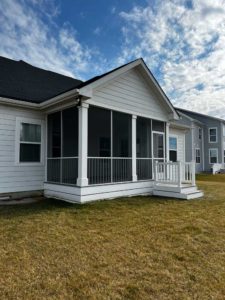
[(48, 103)]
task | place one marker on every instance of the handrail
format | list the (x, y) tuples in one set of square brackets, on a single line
[(175, 173)]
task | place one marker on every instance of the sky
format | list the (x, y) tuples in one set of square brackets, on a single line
[(182, 42)]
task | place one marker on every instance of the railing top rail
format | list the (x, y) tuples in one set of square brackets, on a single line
[(98, 157), (66, 157)]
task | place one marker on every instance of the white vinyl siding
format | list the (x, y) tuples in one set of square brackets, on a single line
[(130, 93), (14, 177)]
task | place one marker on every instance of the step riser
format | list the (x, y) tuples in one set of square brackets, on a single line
[(194, 195), (182, 190)]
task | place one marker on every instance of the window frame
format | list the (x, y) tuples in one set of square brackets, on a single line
[(197, 149), (175, 137), (211, 163), (19, 121), (211, 142)]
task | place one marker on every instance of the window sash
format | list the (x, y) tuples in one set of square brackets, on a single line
[(212, 135), (213, 154), (197, 156), (29, 139)]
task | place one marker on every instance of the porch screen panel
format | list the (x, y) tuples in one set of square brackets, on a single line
[(122, 143), (144, 153), (158, 126), (99, 145), (70, 145), (54, 135), (54, 147)]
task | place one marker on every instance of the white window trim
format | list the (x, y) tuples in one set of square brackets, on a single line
[(209, 135), (17, 141), (199, 155), (216, 155)]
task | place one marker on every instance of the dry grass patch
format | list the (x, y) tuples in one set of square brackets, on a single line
[(137, 248)]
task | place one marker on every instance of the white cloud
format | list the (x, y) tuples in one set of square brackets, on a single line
[(184, 46), (97, 31), (28, 32)]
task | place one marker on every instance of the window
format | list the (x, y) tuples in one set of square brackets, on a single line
[(213, 135), (29, 137), (197, 156), (213, 156), (158, 145), (200, 133), (173, 148)]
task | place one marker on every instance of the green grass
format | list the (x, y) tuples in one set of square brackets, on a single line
[(210, 177), (137, 248)]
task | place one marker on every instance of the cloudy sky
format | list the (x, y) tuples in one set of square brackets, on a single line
[(182, 42)]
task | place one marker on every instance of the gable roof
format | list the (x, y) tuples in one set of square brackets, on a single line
[(194, 114), (22, 81)]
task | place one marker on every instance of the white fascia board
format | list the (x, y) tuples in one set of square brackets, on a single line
[(18, 103), (48, 103)]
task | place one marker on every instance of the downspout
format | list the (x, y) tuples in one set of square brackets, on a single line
[(203, 149), (192, 142)]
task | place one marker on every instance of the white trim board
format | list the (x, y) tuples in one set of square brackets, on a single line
[(97, 192)]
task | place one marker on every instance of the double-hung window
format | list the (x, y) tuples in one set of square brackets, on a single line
[(197, 156), (213, 156), (173, 148), (29, 141), (213, 135)]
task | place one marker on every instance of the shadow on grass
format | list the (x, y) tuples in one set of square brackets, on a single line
[(53, 205), (44, 206)]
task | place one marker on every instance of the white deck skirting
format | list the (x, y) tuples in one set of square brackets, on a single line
[(77, 194)]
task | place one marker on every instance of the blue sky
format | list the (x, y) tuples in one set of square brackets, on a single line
[(182, 42)]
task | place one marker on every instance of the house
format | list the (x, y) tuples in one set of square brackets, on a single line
[(204, 140), (82, 141)]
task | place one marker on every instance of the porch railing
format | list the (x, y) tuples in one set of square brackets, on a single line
[(62, 170), (109, 169), (175, 173), (144, 168)]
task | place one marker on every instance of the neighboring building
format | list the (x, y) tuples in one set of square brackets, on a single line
[(204, 140), (82, 141)]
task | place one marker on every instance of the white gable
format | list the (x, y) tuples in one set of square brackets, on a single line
[(130, 92)]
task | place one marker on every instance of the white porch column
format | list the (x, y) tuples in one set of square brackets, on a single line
[(134, 148), (167, 141), (82, 179)]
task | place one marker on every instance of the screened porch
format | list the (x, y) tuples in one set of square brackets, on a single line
[(88, 145)]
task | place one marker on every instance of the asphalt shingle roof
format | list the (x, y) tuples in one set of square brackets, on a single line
[(22, 81)]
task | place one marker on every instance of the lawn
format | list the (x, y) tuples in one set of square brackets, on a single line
[(137, 248)]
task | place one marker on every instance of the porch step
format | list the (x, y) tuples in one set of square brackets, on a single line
[(170, 188), (186, 195)]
